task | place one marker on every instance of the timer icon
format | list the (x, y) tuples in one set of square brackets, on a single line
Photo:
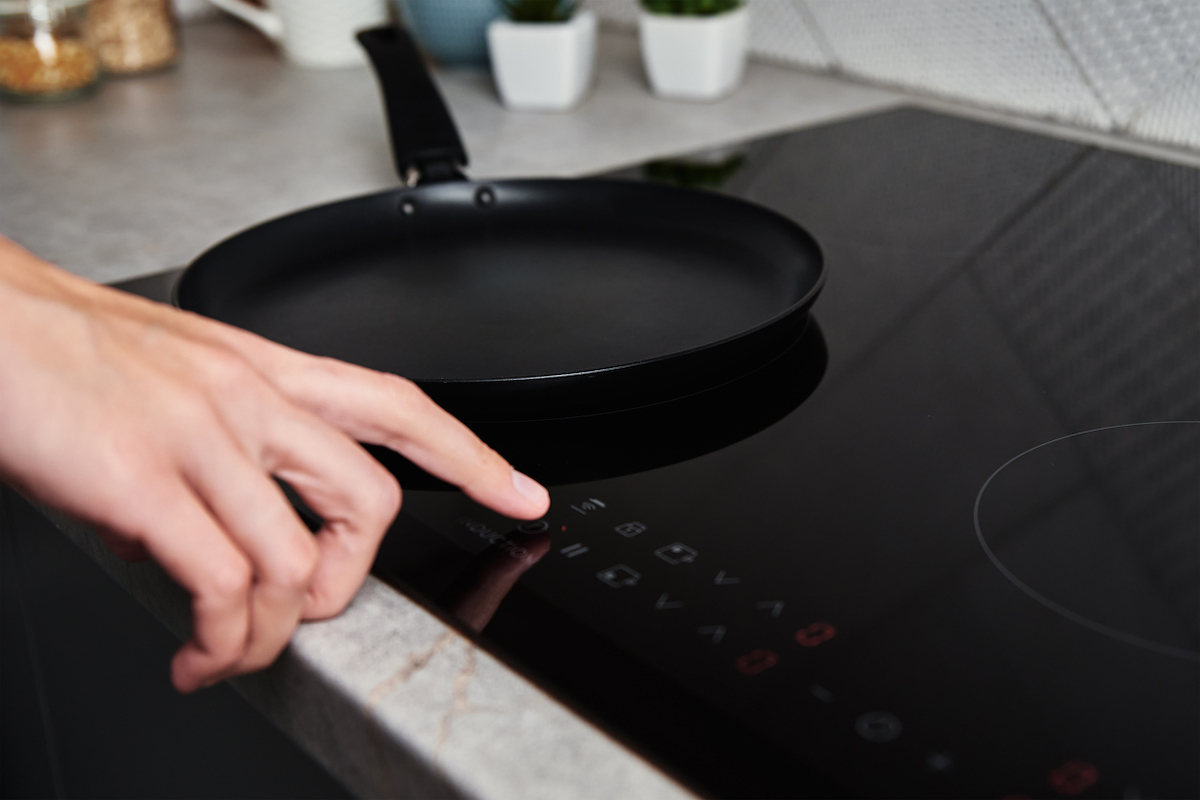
[(630, 529)]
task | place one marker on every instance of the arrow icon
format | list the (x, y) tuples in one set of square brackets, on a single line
[(721, 580), (776, 606), (664, 603), (717, 632)]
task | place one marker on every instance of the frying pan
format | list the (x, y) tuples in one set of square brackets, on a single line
[(516, 299)]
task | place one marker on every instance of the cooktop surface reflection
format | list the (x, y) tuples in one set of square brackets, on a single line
[(948, 545)]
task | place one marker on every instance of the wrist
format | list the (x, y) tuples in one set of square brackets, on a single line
[(23, 273)]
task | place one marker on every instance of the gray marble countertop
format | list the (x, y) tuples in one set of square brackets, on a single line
[(153, 170)]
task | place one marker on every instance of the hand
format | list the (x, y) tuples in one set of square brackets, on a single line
[(164, 429)]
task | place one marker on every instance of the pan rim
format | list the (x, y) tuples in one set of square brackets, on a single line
[(798, 306)]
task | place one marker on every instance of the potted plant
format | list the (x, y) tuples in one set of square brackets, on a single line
[(694, 49), (542, 53)]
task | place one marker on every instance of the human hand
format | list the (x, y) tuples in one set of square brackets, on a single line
[(164, 429)]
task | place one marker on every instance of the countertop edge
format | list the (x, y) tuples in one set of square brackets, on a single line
[(379, 712)]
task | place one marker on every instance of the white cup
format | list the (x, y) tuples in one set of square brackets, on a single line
[(313, 33)]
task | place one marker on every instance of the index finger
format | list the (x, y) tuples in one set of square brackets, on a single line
[(387, 410)]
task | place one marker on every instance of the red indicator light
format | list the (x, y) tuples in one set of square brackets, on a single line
[(1073, 778), (564, 528), (814, 634), (756, 661)]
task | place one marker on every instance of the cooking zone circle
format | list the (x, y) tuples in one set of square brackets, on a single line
[(1064, 521)]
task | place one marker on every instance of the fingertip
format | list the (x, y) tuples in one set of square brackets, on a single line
[(536, 497), (186, 675)]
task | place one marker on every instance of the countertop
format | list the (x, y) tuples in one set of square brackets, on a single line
[(152, 171)]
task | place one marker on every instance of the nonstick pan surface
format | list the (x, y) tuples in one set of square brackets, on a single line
[(525, 298)]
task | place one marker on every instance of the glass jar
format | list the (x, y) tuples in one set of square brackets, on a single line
[(44, 56), (132, 36)]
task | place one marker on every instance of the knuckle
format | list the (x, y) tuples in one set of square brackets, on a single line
[(230, 579), (382, 500), (295, 571), (403, 392)]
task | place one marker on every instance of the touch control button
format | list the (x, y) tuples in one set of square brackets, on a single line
[(585, 508), (678, 553), (821, 693), (775, 607), (878, 726), (665, 602), (939, 762), (619, 576), (813, 635), (756, 662), (1073, 778), (630, 529), (537, 526)]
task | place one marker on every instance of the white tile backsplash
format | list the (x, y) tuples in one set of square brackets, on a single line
[(780, 33), (1126, 66), (1131, 50), (1001, 54), (1174, 118)]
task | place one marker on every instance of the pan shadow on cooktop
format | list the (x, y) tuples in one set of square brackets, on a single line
[(572, 450)]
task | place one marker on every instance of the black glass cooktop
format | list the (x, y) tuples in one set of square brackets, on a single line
[(948, 545)]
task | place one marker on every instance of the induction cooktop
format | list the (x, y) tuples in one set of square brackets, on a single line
[(947, 545)]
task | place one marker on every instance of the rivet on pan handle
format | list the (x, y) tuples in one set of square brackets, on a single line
[(425, 141)]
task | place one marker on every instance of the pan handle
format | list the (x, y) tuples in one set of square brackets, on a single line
[(425, 142)]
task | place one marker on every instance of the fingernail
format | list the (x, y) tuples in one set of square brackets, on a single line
[(528, 488)]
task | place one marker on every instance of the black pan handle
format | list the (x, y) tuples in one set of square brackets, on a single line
[(425, 143)]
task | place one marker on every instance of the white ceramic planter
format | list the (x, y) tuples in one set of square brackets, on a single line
[(543, 66), (694, 58)]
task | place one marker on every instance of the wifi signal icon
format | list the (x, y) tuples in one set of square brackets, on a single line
[(590, 505)]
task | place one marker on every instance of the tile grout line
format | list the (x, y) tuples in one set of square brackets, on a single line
[(814, 29), (1113, 125)]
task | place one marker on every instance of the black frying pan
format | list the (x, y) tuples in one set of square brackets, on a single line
[(516, 299)]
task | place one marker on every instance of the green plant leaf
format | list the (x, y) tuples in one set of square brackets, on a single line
[(690, 8), (539, 10), (694, 174)]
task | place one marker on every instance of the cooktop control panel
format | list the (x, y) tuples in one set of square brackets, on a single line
[(961, 560)]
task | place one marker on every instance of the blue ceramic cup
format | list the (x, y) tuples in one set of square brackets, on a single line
[(452, 31)]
